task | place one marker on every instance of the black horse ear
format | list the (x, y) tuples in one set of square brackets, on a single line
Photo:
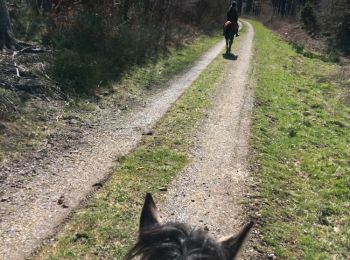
[(149, 214), (233, 244)]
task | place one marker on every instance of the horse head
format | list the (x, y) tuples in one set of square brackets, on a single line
[(171, 241)]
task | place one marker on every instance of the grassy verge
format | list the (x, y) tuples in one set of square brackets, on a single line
[(107, 226), (301, 140)]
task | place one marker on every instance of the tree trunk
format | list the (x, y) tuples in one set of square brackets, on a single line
[(7, 39), (126, 8), (47, 5), (34, 6)]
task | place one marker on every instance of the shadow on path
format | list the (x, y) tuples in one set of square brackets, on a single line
[(229, 56)]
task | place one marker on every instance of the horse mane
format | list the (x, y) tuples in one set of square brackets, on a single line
[(175, 241)]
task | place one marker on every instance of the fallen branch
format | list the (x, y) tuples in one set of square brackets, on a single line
[(17, 70), (29, 49)]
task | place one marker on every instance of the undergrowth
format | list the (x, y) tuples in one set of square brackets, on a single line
[(90, 55), (84, 71), (301, 143)]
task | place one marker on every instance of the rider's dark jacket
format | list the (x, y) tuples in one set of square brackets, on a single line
[(232, 15)]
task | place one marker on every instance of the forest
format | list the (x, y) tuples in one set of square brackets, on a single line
[(104, 101), (104, 36), (107, 37)]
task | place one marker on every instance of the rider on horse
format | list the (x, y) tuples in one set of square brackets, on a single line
[(232, 15)]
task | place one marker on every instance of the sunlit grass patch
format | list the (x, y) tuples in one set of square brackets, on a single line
[(301, 141)]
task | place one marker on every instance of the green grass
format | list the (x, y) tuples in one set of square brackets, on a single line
[(301, 142), (107, 226)]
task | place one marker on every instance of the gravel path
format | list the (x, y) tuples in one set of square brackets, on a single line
[(39, 193), (208, 194)]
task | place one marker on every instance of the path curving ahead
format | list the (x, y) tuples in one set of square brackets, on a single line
[(209, 192)]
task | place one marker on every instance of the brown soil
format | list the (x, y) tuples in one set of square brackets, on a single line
[(294, 33), (30, 103)]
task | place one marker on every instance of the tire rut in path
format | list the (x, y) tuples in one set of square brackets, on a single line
[(29, 209), (209, 191)]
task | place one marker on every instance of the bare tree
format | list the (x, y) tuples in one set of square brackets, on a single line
[(7, 40), (47, 5)]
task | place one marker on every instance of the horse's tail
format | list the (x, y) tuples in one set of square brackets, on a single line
[(235, 27)]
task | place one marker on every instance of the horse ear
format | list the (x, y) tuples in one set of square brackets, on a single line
[(233, 244), (149, 214)]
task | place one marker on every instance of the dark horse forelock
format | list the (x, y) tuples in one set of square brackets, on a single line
[(175, 241)]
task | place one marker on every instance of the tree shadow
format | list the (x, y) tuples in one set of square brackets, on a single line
[(229, 56)]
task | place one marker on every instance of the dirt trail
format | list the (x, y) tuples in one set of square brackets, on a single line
[(208, 194), (37, 194)]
